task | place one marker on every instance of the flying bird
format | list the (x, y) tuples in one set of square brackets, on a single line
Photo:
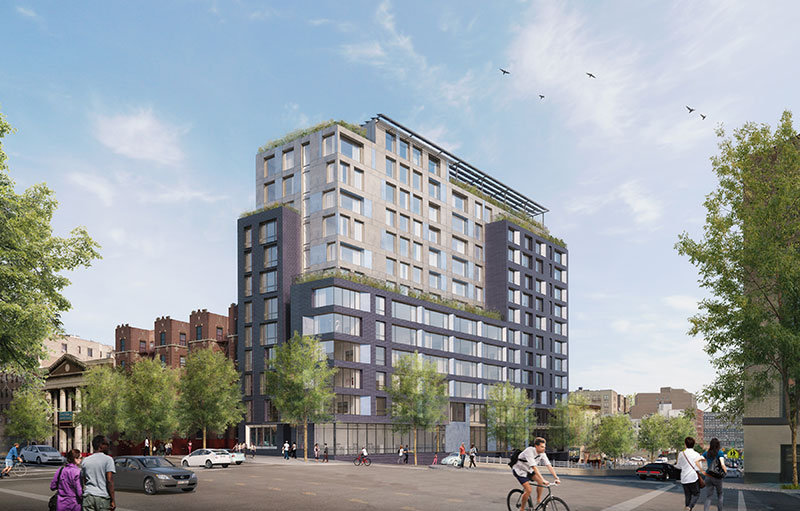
[(590, 75), (703, 116), (541, 97), (505, 72), (690, 109)]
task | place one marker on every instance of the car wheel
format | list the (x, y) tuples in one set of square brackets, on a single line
[(185, 463), (187, 490), (38, 460), (238, 462), (149, 486), (642, 477), (225, 465), (208, 463)]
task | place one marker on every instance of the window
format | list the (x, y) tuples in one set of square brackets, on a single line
[(380, 356), (434, 189), (437, 319), (198, 332), (248, 237), (358, 179), (358, 230), (460, 224), (355, 255), (380, 331), (433, 165), (416, 181), (272, 281), (347, 378), (270, 256), (434, 341), (380, 406), (380, 305), (403, 246), (182, 361), (403, 200), (559, 274), (270, 308), (436, 281), (333, 295), (559, 364), (306, 148), (389, 142), (416, 156), (479, 252), (492, 332), (464, 368), (388, 192), (459, 245), (463, 389), (404, 223), (390, 167), (380, 380), (436, 259), (330, 173), (271, 230), (417, 228), (560, 294), (350, 149), (270, 192), (404, 267), (460, 266), (458, 412), (466, 326), (417, 251), (434, 235), (390, 218), (460, 202), (162, 338), (388, 241), (559, 257), (329, 225), (402, 174), (328, 145), (403, 335), (560, 347), (478, 231), (248, 262), (344, 226), (288, 186), (344, 173), (460, 288), (492, 372), (142, 345), (404, 311), (347, 405), (402, 149), (336, 323), (248, 336), (288, 159), (433, 213), (351, 202), (492, 352), (416, 274), (465, 347), (390, 266), (270, 166), (248, 312)]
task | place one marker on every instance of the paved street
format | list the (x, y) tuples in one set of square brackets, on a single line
[(298, 485)]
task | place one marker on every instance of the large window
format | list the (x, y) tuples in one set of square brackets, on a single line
[(336, 323), (493, 332), (492, 352), (351, 203), (464, 368), (342, 351), (467, 326), (346, 404), (347, 378), (339, 296), (437, 319), (463, 389), (441, 363), (403, 335), (270, 256), (434, 341), (350, 149), (465, 347), (492, 372), (269, 333), (404, 311)]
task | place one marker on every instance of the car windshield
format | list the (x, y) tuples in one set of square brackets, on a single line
[(46, 448), (154, 462), (221, 451)]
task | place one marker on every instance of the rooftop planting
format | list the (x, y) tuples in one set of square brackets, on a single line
[(300, 133)]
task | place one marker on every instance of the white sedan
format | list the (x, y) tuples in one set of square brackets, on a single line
[(206, 458), (236, 457)]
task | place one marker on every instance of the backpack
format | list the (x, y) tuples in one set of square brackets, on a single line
[(514, 457), (716, 471)]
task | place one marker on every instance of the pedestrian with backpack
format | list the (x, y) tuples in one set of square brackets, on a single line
[(715, 473)]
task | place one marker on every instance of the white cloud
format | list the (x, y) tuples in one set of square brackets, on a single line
[(178, 194), (140, 135), (28, 13), (370, 52), (681, 303), (645, 208), (94, 184)]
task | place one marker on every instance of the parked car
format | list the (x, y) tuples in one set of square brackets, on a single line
[(638, 459), (661, 459), (661, 471), (236, 457), (41, 454), (151, 474), (206, 458), (451, 459)]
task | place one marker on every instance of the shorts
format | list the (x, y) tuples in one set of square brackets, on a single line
[(9, 463), (522, 479)]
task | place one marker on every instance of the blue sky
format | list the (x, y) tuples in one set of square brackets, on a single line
[(144, 117)]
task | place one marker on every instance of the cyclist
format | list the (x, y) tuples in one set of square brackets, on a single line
[(13, 454), (364, 453), (526, 469)]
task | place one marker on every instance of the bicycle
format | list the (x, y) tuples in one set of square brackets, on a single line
[(18, 469), (362, 460), (548, 503)]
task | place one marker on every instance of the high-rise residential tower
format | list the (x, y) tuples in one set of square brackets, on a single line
[(382, 243)]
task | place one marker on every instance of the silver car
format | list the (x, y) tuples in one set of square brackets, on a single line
[(151, 474), (41, 454)]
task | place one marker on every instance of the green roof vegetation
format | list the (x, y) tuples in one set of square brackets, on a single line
[(267, 208), (390, 287), (513, 215), (300, 133)]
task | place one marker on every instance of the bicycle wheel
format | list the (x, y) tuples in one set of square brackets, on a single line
[(367, 462), (357, 461), (20, 470), (556, 504), (514, 499)]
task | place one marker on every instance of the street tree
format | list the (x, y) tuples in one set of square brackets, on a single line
[(570, 422), (150, 402), (30, 415), (509, 416), (31, 273), (614, 435), (419, 396), (103, 397), (210, 397), (300, 383), (678, 428), (653, 434), (749, 260)]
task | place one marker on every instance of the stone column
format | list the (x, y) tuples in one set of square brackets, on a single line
[(62, 406), (78, 444)]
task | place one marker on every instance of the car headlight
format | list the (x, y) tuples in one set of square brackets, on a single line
[(193, 476), (162, 476)]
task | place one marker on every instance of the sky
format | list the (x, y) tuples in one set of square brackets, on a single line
[(145, 117)]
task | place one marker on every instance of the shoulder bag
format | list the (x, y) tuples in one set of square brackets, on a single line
[(700, 480), (52, 504)]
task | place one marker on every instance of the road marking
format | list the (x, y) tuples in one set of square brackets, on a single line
[(240, 484), (309, 493), (401, 493), (359, 501), (273, 488), (43, 498), (635, 502), (742, 506), (454, 500)]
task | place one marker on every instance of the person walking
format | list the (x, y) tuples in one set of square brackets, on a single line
[(97, 473), (169, 448), (689, 462), (715, 473), (405, 454), (285, 450), (190, 446), (325, 452), (461, 454), (146, 447), (316, 452), (473, 452), (67, 483), (400, 454), (294, 450)]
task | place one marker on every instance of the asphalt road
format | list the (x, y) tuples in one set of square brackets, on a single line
[(342, 486)]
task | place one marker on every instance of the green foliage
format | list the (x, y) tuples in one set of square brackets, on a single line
[(33, 260), (299, 382), (300, 133), (390, 287), (570, 422), (509, 417), (653, 434), (150, 402), (103, 397), (269, 207), (614, 435), (30, 415), (749, 261), (419, 396), (209, 395), (678, 428)]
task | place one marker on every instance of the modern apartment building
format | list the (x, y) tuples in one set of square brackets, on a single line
[(731, 436), (382, 243), (605, 402)]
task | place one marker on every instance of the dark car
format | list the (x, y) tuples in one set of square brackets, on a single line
[(661, 471), (151, 474)]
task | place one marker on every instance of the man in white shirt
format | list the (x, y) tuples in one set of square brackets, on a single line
[(526, 469), (689, 462)]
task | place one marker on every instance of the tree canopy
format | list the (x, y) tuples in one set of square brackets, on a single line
[(509, 416), (150, 402), (570, 422), (614, 435), (749, 260), (29, 413), (32, 263), (419, 396), (103, 397)]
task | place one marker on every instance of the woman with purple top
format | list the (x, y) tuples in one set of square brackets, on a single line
[(68, 483)]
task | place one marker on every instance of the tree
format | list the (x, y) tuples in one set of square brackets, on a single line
[(653, 434), (614, 435), (33, 260), (749, 260), (300, 383), (419, 396), (150, 402), (29, 413), (103, 397), (678, 428), (509, 416), (570, 422), (209, 394)]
